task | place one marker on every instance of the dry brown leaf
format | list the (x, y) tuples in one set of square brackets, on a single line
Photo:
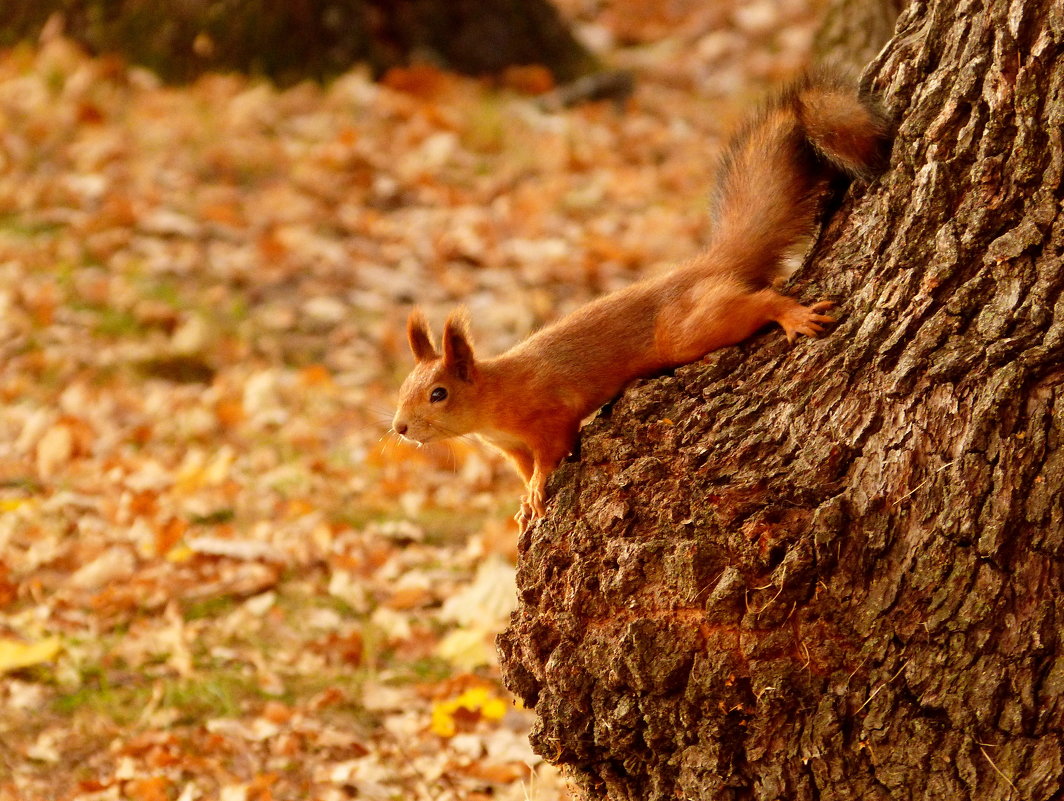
[(54, 450)]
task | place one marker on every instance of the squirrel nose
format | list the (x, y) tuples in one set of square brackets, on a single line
[(400, 429)]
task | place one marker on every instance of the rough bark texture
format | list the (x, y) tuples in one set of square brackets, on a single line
[(293, 40), (834, 571)]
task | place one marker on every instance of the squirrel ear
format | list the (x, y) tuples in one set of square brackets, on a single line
[(417, 333), (458, 347)]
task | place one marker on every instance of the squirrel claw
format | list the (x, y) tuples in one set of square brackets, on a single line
[(805, 320), (522, 519), (536, 504), (532, 509), (525, 516)]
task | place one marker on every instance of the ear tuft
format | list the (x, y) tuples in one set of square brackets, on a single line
[(458, 354), (419, 337)]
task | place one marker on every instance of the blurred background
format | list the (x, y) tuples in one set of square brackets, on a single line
[(220, 577)]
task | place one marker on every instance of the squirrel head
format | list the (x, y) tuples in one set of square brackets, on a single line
[(438, 399)]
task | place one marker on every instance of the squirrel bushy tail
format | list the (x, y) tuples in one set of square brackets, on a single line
[(769, 179)]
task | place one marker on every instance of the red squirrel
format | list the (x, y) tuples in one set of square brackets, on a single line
[(530, 401)]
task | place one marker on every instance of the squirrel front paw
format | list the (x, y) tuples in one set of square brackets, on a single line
[(807, 320), (525, 517), (536, 502), (532, 509)]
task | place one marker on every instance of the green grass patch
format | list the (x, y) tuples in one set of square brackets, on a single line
[(209, 695), (116, 323), (18, 225), (220, 694), (27, 484), (213, 607), (163, 290), (485, 131), (121, 701), (215, 518), (426, 670)]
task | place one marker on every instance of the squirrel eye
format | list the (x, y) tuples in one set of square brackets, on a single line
[(438, 394)]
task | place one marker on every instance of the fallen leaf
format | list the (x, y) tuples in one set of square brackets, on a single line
[(488, 600), (248, 550), (467, 649), (54, 450), (421, 80), (110, 566), (155, 788), (15, 654), (474, 704), (532, 79)]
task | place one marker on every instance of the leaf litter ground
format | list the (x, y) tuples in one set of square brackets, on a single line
[(219, 577)]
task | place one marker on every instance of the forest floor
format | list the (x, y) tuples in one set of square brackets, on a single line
[(220, 577)]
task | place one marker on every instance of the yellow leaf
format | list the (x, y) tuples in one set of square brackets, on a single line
[(442, 721), (179, 553), (198, 470), (15, 654), (476, 703), (473, 699), (493, 709)]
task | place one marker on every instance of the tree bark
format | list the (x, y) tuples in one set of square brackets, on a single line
[(311, 39), (852, 32), (834, 571)]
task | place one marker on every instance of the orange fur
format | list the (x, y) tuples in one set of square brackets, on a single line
[(529, 402)]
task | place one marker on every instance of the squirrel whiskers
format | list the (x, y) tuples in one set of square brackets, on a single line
[(529, 402)]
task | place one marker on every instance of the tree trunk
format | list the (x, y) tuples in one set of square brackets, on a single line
[(852, 32), (834, 571), (293, 41)]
